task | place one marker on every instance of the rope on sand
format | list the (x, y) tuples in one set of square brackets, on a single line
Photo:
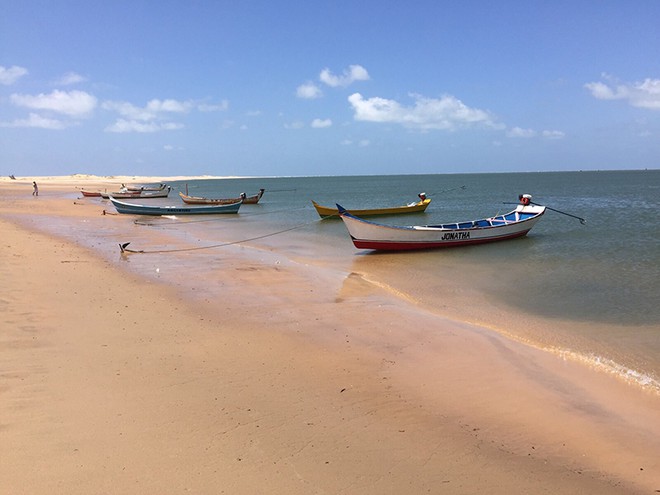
[(125, 250)]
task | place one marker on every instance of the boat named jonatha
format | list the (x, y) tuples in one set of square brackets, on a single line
[(371, 235)]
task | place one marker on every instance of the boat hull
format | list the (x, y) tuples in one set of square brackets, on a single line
[(371, 235), (253, 200), (91, 194), (138, 188), (162, 193), (419, 207), (196, 200), (135, 209)]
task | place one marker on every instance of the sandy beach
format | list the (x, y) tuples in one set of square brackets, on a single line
[(111, 383)]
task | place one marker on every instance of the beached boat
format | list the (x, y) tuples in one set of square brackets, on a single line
[(161, 193), (197, 200), (91, 194), (139, 209), (418, 207), (142, 187), (254, 199), (371, 235)]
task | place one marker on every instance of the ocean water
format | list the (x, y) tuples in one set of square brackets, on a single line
[(585, 291)]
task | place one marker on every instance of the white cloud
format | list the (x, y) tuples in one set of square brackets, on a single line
[(223, 106), (169, 105), (70, 78), (349, 76), (150, 117), (9, 76), (308, 91), (362, 143), (600, 90), (446, 113), (321, 123), (294, 125), (128, 110), (553, 134), (518, 132), (645, 94), (72, 103), (35, 120), (153, 110), (122, 126)]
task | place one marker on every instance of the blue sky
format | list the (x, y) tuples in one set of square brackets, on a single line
[(327, 88)]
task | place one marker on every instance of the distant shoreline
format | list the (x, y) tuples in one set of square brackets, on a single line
[(103, 179), (119, 179)]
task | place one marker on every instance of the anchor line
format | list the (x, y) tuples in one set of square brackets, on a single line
[(124, 249), (446, 190)]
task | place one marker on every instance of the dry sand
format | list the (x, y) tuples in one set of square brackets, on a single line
[(110, 383)]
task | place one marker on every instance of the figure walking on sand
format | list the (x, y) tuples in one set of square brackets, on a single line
[(35, 189)]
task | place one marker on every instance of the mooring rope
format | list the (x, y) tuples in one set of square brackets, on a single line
[(446, 190), (124, 249)]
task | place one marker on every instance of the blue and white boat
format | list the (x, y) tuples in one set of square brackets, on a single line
[(139, 209), (371, 235)]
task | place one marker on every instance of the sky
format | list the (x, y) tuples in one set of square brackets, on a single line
[(344, 87)]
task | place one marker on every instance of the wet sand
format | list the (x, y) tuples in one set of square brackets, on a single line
[(292, 383)]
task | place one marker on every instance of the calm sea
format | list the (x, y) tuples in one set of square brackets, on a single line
[(586, 291)]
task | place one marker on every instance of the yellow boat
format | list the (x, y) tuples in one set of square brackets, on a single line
[(418, 207)]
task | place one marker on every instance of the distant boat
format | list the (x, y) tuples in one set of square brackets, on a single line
[(197, 200), (160, 193), (418, 207), (139, 209), (140, 187), (254, 199), (371, 235), (91, 194)]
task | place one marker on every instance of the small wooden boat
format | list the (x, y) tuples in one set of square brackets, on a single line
[(141, 187), (254, 199), (371, 235), (418, 207), (138, 209), (90, 194), (161, 193), (197, 200)]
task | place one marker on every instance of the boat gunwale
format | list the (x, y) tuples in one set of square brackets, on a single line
[(439, 228), (201, 200)]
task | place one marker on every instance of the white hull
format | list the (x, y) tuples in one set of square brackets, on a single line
[(371, 235)]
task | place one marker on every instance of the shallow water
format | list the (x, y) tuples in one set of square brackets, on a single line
[(585, 291)]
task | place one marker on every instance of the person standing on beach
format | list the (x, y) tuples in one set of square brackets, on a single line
[(35, 189)]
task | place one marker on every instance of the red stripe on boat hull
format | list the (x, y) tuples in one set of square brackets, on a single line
[(410, 246)]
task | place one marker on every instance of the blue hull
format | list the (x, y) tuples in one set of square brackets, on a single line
[(135, 209)]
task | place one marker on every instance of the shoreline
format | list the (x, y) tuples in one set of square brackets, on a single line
[(522, 420)]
